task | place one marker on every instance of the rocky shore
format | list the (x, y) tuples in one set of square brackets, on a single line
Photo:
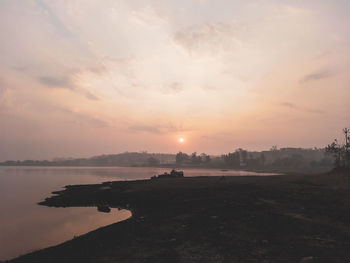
[(212, 219)]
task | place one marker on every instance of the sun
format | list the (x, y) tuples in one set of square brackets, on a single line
[(181, 140)]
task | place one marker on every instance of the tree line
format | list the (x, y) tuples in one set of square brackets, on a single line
[(283, 160), (336, 154)]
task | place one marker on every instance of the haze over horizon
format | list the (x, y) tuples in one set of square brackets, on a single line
[(82, 78)]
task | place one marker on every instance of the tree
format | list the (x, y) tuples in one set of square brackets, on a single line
[(347, 145), (274, 148), (335, 150), (340, 152), (231, 159), (181, 157), (205, 158), (195, 159)]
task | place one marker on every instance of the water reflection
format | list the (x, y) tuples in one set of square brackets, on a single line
[(45, 226), (26, 226)]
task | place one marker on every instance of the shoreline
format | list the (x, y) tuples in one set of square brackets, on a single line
[(212, 219), (274, 170)]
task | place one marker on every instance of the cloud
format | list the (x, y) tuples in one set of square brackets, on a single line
[(5, 96), (174, 87), (98, 70), (211, 38), (56, 82), (90, 120), (145, 128), (304, 109), (18, 68), (156, 129), (54, 20), (218, 135), (316, 111), (316, 76), (65, 83), (288, 104), (77, 117), (89, 95)]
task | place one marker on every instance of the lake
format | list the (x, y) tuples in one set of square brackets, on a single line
[(26, 226)]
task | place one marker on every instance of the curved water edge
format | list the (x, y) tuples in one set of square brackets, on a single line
[(50, 226)]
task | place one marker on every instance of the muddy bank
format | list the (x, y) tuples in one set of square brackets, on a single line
[(212, 219)]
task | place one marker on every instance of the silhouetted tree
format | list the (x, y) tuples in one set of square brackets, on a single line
[(205, 158), (231, 159), (195, 159), (274, 148), (347, 145), (181, 157), (340, 152)]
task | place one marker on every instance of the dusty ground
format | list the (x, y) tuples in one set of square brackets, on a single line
[(213, 219)]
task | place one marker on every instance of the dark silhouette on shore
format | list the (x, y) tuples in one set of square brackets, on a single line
[(172, 174)]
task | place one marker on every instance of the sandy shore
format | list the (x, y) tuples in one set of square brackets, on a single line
[(212, 219)]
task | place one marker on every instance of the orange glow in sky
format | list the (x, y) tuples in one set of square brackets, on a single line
[(82, 78)]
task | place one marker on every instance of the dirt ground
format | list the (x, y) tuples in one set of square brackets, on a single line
[(294, 218)]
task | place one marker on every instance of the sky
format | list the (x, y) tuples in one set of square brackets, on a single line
[(85, 77)]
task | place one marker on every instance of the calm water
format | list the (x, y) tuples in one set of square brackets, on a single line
[(26, 226)]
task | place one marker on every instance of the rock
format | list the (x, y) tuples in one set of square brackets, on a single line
[(173, 174), (103, 208)]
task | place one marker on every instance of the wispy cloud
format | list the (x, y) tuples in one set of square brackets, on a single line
[(145, 128), (74, 116), (65, 83), (3, 96), (174, 87), (157, 128), (84, 118), (316, 76), (98, 70), (54, 19), (56, 82), (299, 108), (216, 136), (210, 38), (288, 104)]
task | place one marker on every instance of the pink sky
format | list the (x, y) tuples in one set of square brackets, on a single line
[(81, 78)]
